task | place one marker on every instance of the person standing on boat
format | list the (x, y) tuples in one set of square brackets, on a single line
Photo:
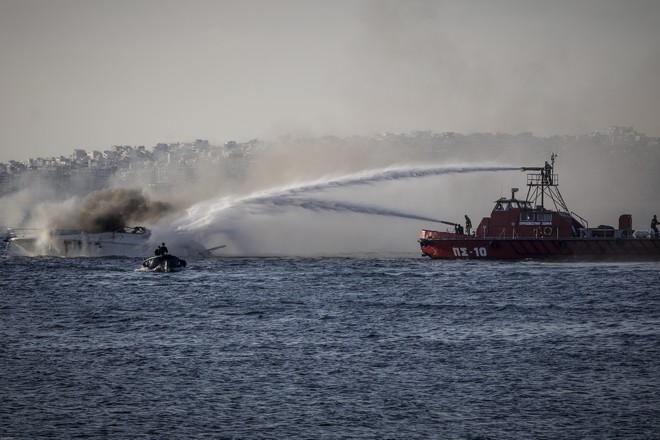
[(468, 225), (163, 249), (654, 226), (548, 173)]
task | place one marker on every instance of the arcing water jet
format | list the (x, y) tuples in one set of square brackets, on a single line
[(232, 215)]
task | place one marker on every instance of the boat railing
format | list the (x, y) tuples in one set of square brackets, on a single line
[(20, 233), (586, 223), (539, 179), (132, 230)]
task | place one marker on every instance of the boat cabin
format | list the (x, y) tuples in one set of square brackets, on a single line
[(530, 218), (514, 218)]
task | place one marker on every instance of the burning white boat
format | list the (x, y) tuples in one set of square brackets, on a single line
[(128, 241)]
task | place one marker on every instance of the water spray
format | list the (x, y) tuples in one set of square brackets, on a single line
[(209, 214)]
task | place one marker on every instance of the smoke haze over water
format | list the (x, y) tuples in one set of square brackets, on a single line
[(344, 197), (328, 196)]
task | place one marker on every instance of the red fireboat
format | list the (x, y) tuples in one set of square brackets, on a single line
[(540, 227)]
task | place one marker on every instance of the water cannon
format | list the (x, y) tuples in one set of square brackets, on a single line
[(553, 156), (448, 223)]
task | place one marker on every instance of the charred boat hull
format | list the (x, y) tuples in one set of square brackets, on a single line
[(126, 241)]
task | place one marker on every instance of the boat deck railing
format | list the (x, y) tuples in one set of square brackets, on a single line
[(20, 233), (538, 179), (586, 223)]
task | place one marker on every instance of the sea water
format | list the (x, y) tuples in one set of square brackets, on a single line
[(360, 347)]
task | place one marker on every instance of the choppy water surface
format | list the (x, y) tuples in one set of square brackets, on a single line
[(329, 348)]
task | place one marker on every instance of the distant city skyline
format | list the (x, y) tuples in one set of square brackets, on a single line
[(617, 136), (94, 74)]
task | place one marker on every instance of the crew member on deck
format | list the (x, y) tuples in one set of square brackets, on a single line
[(654, 226), (468, 225), (163, 249)]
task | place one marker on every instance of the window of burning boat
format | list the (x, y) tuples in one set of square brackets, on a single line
[(502, 206)]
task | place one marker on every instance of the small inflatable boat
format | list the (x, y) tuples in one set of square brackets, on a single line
[(164, 263)]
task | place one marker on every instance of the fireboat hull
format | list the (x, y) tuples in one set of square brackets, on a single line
[(588, 249)]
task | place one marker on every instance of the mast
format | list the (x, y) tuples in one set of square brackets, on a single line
[(545, 183)]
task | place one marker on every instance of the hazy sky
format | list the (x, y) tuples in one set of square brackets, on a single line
[(95, 73)]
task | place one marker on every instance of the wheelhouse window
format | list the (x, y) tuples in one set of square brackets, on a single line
[(526, 216), (531, 216), (544, 216)]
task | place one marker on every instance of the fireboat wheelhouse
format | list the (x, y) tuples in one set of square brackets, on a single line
[(539, 227)]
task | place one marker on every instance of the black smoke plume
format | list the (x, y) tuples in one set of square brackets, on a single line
[(110, 209)]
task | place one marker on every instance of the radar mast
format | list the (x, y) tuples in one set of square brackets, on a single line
[(544, 185)]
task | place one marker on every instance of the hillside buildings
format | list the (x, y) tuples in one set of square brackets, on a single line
[(167, 165)]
